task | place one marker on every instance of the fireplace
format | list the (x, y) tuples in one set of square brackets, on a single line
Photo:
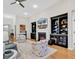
[(41, 36)]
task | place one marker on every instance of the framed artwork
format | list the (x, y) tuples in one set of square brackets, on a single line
[(42, 23), (22, 28)]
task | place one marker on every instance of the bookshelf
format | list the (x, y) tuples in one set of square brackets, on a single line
[(59, 30), (33, 33)]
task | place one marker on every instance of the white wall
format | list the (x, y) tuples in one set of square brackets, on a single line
[(64, 6), (9, 20), (44, 30), (22, 20), (16, 21)]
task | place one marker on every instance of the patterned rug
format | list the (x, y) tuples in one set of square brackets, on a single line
[(25, 51)]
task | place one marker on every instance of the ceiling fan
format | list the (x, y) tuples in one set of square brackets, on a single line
[(18, 2)]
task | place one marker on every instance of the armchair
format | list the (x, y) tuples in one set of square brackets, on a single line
[(40, 48)]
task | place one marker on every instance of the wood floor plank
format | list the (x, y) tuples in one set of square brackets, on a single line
[(62, 53)]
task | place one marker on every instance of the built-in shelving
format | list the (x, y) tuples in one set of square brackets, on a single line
[(33, 33), (59, 29)]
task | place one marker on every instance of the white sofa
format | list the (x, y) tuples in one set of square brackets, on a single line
[(40, 48)]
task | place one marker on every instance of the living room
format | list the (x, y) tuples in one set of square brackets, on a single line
[(49, 22)]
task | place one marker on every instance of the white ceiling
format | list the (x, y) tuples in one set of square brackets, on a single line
[(16, 9)]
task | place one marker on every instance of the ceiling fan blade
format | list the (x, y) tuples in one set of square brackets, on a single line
[(21, 5), (13, 3), (20, 0)]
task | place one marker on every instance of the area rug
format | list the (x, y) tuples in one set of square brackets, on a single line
[(25, 50)]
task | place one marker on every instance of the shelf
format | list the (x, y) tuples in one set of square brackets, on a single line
[(33, 33), (22, 34), (59, 28), (58, 34)]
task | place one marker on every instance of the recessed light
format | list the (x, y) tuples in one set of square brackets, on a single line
[(25, 13), (35, 6)]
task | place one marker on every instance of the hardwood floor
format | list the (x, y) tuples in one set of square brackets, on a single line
[(62, 53)]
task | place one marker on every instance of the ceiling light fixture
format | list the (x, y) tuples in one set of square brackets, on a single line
[(35, 6), (17, 2), (25, 13)]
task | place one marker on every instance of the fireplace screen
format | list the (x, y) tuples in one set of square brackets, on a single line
[(41, 36)]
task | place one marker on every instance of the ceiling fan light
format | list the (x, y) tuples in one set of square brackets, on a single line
[(17, 2)]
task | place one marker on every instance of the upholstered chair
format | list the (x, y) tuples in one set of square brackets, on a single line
[(40, 48)]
